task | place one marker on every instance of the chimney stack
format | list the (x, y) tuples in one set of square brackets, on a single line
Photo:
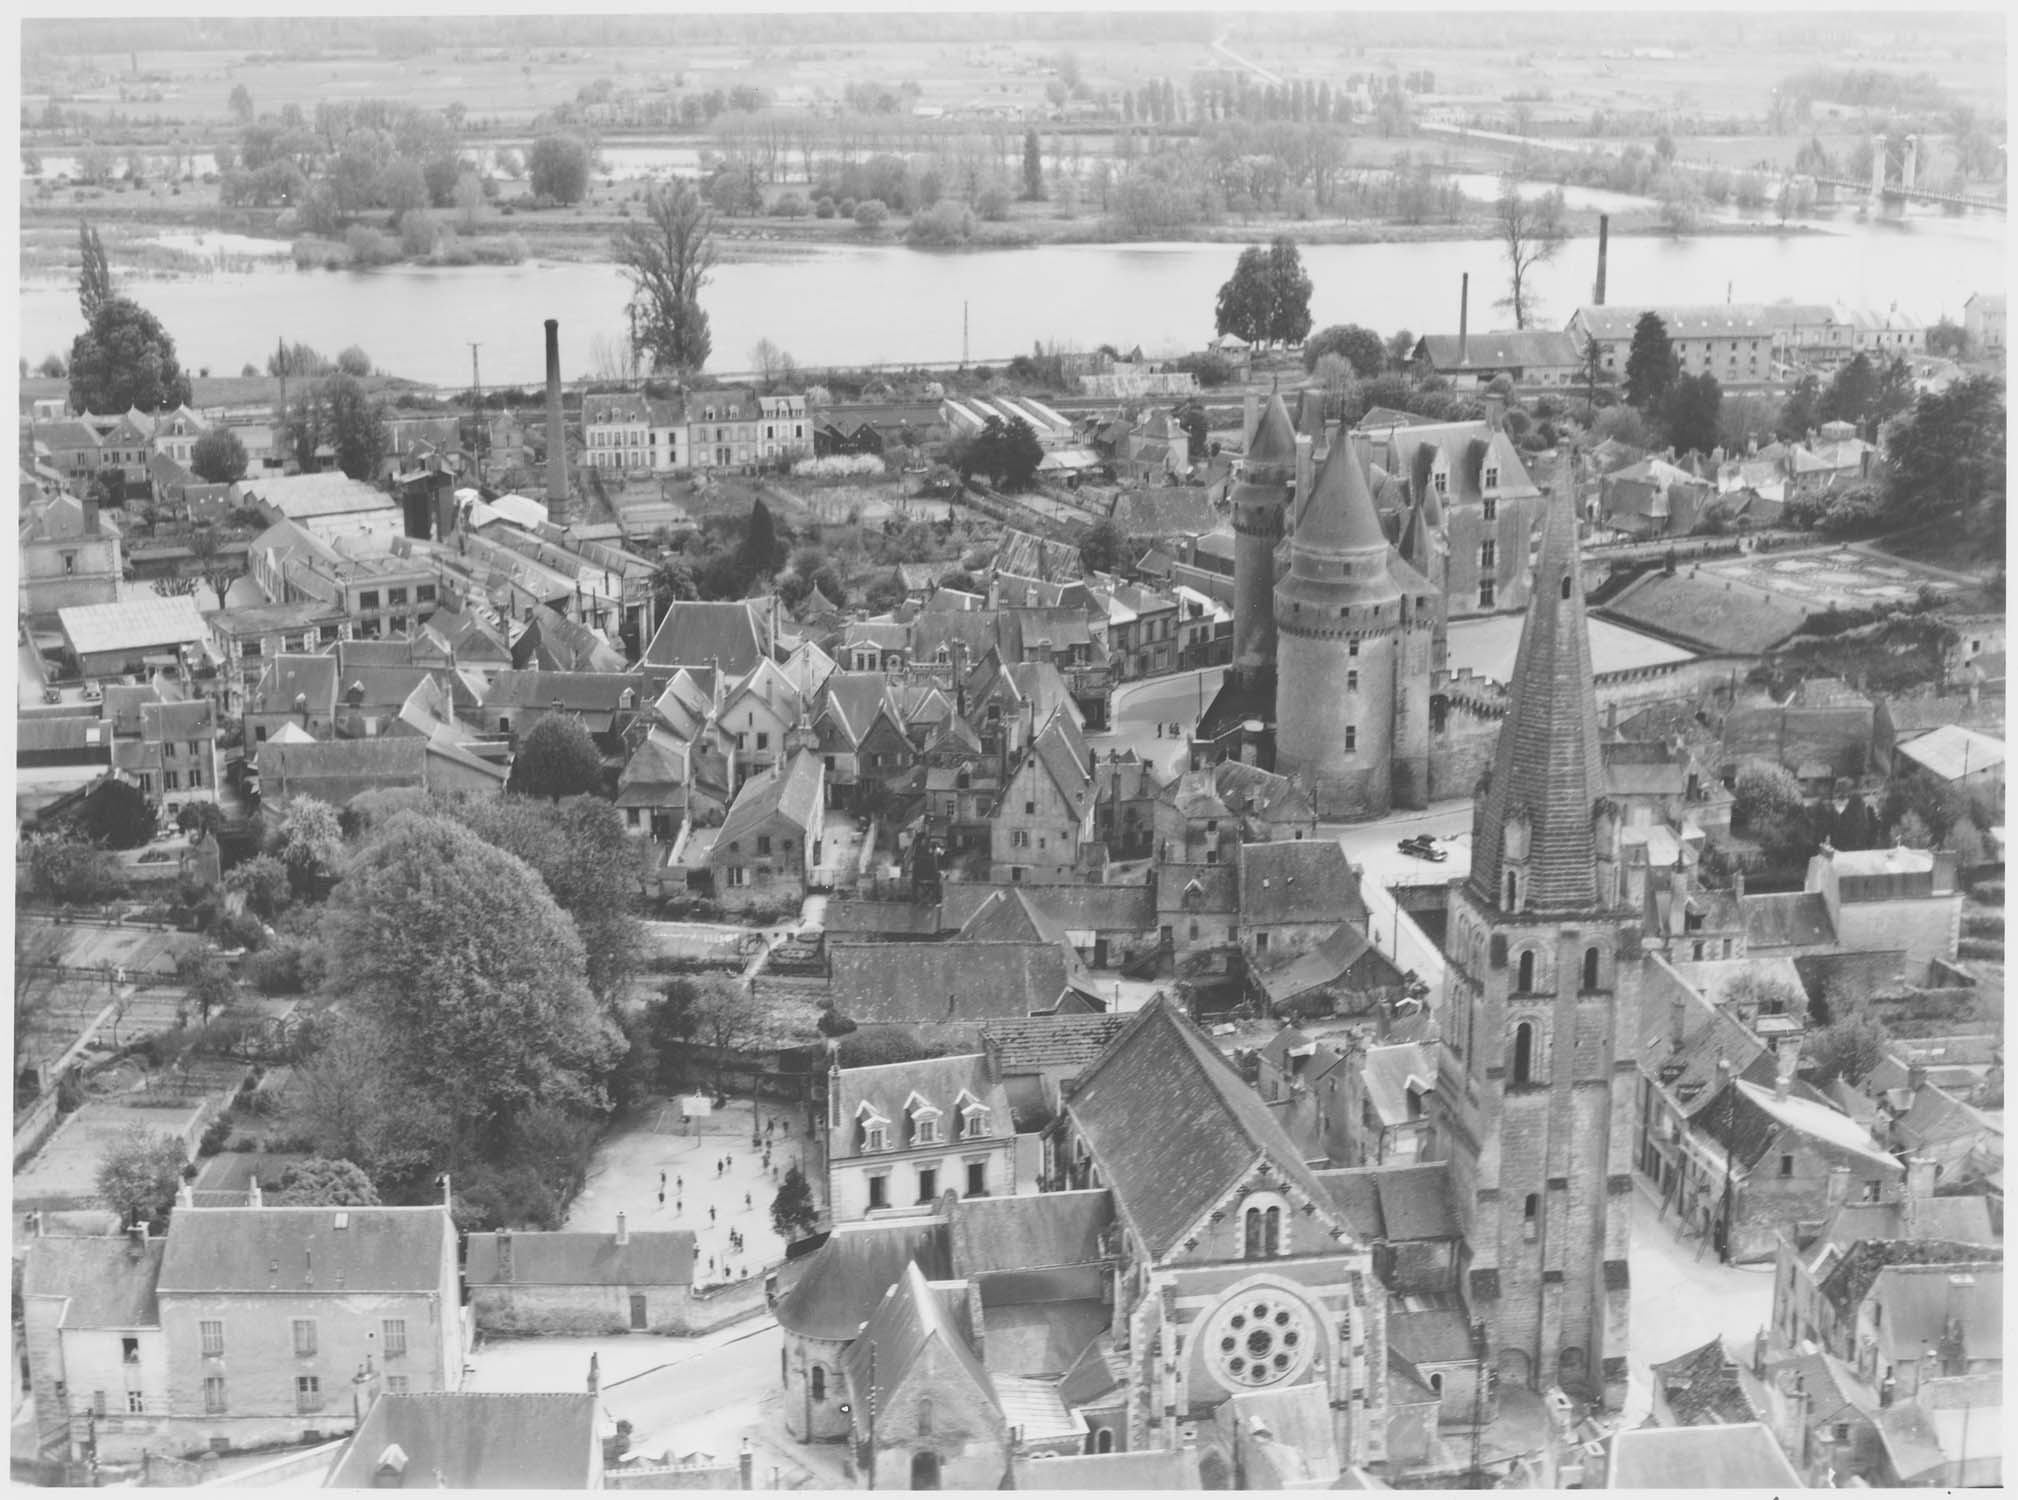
[(560, 509), (1464, 320), (90, 505), (595, 1374), (623, 1230), (1604, 251), (253, 1197)]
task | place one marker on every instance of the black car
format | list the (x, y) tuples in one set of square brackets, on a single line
[(1422, 846)]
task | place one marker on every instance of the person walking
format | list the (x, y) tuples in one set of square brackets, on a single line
[(711, 1213)]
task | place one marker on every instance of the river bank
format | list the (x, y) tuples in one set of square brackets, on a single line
[(155, 240)]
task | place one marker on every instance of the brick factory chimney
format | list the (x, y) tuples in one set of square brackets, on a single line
[(1604, 248), (1464, 320), (560, 509)]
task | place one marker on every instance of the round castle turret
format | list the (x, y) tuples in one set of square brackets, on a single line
[(1343, 674)]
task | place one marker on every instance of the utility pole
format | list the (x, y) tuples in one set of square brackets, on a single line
[(963, 336), (476, 386)]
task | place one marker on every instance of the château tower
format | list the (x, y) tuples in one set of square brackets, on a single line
[(1354, 627), (1540, 1013), (1259, 501)]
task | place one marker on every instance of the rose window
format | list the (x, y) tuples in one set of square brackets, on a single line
[(1260, 1339)]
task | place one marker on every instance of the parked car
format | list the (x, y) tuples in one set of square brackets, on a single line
[(1423, 846)]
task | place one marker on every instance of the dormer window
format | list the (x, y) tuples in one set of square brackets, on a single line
[(1490, 482), (1442, 482), (875, 1138), (974, 1121)]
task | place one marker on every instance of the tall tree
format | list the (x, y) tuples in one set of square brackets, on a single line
[(1361, 348), (762, 550), (460, 961), (1692, 413), (1289, 292), (94, 274), (1530, 232), (1945, 460), (1851, 391), (1243, 304), (214, 565), (556, 760), (241, 103), (559, 167), (342, 414), (1651, 366), (125, 359), (139, 1173), (325, 1182), (667, 255), (1033, 168), (218, 457)]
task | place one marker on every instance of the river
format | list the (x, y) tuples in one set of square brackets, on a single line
[(882, 303)]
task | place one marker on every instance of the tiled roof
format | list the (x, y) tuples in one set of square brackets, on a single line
[(846, 1277), (1848, 1281), (651, 1257), (1006, 916), (1345, 948), (1077, 907), (400, 761), (576, 692), (1339, 517), (1703, 1386), (1298, 880), (1546, 767), (1500, 351), (301, 497), (477, 1440), (1432, 1336), (948, 981), (1031, 1232), (1396, 1202), (108, 1280), (360, 1250), (1152, 1470), (1048, 1042), (1174, 1128)]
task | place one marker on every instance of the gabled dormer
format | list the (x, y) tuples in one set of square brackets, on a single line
[(872, 1129), (926, 1120), (976, 1118)]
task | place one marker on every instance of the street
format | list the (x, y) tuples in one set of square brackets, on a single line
[(1136, 709)]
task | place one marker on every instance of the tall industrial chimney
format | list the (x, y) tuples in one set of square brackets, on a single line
[(1464, 321), (560, 508), (1604, 248)]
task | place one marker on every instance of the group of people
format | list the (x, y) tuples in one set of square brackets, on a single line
[(728, 1270)]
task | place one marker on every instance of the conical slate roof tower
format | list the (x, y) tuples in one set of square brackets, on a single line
[(1547, 772)]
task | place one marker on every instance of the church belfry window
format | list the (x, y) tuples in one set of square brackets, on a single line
[(1523, 1053), (1590, 968), (1525, 983)]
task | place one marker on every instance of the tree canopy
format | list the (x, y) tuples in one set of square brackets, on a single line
[(117, 814), (340, 413), (218, 457), (1651, 366), (94, 273), (1945, 460), (125, 360), (138, 1175), (1692, 413), (1360, 347), (468, 973), (558, 165), (324, 1182), (1007, 452), (668, 254), (556, 759), (1267, 299)]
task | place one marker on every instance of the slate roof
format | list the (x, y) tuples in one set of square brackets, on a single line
[(1744, 1456), (353, 764), (301, 497), (1077, 907), (1431, 1336), (1951, 752), (1048, 1042), (1395, 1203), (264, 1250), (1298, 880), (912, 1317), (1007, 916), (1174, 1128), (1788, 919), (1754, 1120), (846, 1278), (1029, 1232), (1703, 1387), (1546, 765), (1851, 1278), (886, 1090), (791, 792), (108, 1280), (1389, 1071), (949, 981), (1501, 351), (1688, 1074), (1327, 963), (599, 694), (1152, 1470), (696, 633), (478, 1440), (652, 1257)]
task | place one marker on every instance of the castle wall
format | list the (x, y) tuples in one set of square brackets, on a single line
[(1315, 706)]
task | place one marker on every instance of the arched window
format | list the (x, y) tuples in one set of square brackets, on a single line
[(1526, 983), (1103, 1440), (1436, 1383), (1271, 1233), (1523, 1053), (1566, 585), (924, 1415), (1590, 968), (819, 1383), (1510, 890)]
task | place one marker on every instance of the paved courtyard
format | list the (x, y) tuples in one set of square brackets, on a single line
[(624, 1178), (1488, 647)]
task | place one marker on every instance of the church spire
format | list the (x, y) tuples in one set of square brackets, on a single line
[(1535, 818)]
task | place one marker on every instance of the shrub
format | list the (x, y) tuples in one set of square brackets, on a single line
[(847, 208), (871, 214), (992, 204), (214, 1136), (790, 206), (367, 246), (944, 225), (823, 207)]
